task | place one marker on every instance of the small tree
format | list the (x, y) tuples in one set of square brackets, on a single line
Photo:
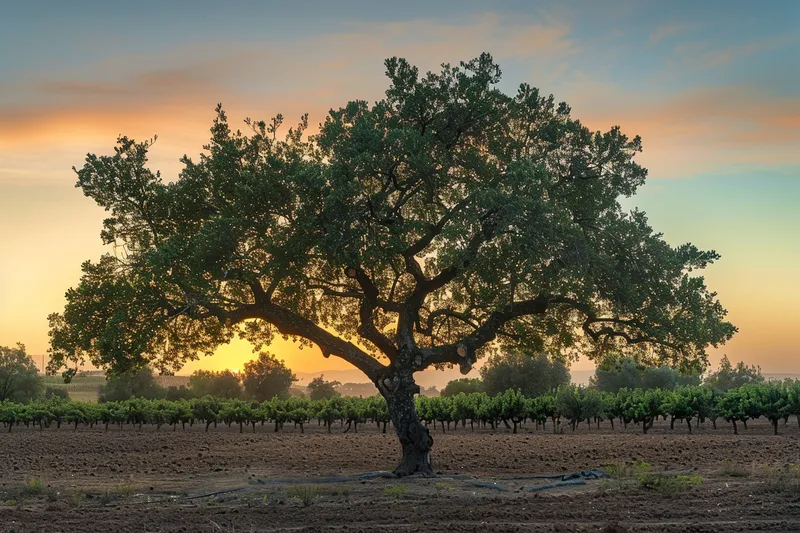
[(320, 389), (19, 377), (465, 385), (139, 383), (531, 374), (267, 377), (729, 377), (222, 384)]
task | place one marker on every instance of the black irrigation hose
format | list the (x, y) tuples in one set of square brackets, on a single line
[(576, 478), (237, 489), (557, 484), (585, 474), (330, 479)]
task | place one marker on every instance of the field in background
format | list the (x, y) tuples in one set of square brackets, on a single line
[(85, 385), (82, 388)]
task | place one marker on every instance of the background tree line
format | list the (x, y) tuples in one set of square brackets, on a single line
[(537, 374), (260, 379), (267, 377)]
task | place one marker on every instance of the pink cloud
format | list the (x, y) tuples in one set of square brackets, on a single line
[(704, 129)]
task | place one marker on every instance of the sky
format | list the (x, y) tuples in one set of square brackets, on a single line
[(713, 89)]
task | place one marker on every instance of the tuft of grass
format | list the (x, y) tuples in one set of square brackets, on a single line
[(33, 487), (125, 490), (639, 473), (668, 484), (343, 492), (443, 487), (75, 497), (279, 496), (108, 497), (609, 485), (731, 469), (306, 494), (628, 470), (785, 480), (395, 491)]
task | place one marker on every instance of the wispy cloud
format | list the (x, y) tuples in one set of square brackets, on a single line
[(698, 130), (666, 31), (688, 131), (702, 55), (179, 86)]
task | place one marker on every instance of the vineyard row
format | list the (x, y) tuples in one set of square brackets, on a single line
[(565, 407)]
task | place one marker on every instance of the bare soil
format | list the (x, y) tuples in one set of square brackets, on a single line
[(163, 481)]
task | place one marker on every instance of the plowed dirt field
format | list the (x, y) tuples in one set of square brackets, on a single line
[(151, 481)]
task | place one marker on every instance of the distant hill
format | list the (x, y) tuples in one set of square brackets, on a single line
[(780, 376), (581, 377)]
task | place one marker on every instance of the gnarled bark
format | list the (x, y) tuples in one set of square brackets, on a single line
[(398, 389)]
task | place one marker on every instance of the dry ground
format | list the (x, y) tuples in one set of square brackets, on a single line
[(148, 481)]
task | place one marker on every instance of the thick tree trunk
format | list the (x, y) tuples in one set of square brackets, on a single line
[(415, 438)]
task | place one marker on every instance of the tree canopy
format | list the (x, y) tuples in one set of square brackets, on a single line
[(319, 389), (222, 384), (139, 383), (267, 377), (465, 385), (626, 372), (428, 225), (19, 377), (533, 375), (728, 377)]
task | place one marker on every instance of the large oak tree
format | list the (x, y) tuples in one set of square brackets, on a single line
[(419, 231)]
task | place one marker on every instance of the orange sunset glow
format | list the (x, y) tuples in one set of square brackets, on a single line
[(718, 112)]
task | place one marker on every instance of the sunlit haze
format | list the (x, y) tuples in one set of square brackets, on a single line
[(713, 88)]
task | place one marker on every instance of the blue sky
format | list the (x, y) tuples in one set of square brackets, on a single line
[(712, 87)]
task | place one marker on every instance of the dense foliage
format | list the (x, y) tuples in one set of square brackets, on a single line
[(729, 377), (319, 389), (627, 373), (533, 374), (222, 384), (140, 383), (19, 377), (463, 385), (567, 407), (267, 377)]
